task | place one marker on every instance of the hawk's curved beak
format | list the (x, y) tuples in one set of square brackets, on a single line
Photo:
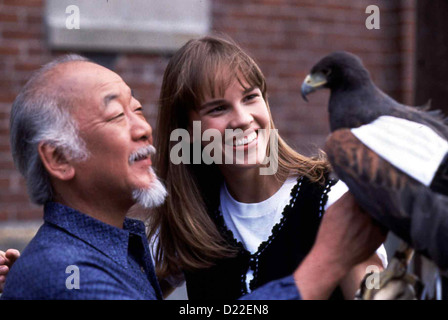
[(311, 83)]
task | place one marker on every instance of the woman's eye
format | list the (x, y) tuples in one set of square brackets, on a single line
[(217, 109), (139, 109), (251, 97)]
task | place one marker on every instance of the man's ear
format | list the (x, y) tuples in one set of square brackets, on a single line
[(55, 161)]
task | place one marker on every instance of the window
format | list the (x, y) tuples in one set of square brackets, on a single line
[(123, 25)]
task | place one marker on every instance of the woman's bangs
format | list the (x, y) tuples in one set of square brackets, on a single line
[(218, 73)]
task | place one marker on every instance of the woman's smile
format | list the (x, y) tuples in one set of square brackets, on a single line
[(245, 140), (242, 139)]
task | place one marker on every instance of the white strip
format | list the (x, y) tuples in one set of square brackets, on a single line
[(410, 146), (336, 191)]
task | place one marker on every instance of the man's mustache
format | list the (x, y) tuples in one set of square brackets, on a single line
[(142, 153)]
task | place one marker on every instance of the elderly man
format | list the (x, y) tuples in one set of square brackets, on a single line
[(83, 145), (81, 141)]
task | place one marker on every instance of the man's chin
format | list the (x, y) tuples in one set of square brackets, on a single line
[(152, 196)]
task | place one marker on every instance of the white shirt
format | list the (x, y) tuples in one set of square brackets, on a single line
[(252, 223)]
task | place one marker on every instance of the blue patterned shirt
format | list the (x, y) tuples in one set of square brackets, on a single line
[(72, 248), (74, 256)]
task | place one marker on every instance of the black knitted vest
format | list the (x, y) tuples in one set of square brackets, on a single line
[(290, 241)]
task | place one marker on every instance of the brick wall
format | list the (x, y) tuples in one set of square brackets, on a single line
[(286, 37), (21, 52)]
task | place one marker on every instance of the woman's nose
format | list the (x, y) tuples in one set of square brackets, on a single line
[(241, 117)]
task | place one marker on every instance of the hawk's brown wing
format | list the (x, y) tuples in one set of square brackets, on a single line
[(411, 210)]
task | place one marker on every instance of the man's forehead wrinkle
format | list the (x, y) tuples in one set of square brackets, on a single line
[(114, 90), (86, 82)]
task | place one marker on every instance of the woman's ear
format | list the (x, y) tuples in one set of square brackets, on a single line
[(55, 161)]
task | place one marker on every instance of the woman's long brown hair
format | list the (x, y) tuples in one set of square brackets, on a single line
[(187, 238)]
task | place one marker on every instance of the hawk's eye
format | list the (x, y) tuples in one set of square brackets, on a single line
[(326, 72)]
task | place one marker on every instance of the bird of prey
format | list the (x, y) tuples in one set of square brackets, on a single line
[(393, 157)]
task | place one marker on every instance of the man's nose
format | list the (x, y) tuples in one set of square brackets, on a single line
[(241, 117), (141, 129)]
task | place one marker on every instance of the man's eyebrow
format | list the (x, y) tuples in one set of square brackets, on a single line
[(108, 98), (112, 96)]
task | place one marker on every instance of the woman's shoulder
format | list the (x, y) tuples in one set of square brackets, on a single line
[(326, 190), (337, 190)]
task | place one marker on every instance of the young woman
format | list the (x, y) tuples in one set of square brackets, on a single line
[(227, 228)]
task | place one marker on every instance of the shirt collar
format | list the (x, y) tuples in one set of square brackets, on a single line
[(109, 240)]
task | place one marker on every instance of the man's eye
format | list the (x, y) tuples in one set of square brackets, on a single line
[(116, 117), (139, 109)]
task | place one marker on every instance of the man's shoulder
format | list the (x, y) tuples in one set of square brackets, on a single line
[(51, 257), (52, 245)]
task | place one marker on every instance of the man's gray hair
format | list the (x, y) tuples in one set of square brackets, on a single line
[(41, 113)]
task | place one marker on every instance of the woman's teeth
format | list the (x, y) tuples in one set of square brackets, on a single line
[(246, 140)]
